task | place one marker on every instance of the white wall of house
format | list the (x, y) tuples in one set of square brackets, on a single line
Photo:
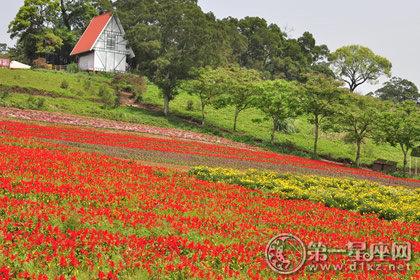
[(111, 49), (86, 61)]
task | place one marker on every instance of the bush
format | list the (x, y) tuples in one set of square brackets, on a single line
[(190, 105), (287, 126), (35, 102), (132, 83), (64, 84), (107, 97), (73, 68), (5, 94), (40, 63), (118, 78)]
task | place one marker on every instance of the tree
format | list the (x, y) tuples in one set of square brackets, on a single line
[(356, 116), (400, 125), (240, 88), (398, 90), (3, 49), (169, 38), (51, 27), (207, 84), (316, 55), (320, 95), (264, 42), (277, 100), (33, 25), (356, 65)]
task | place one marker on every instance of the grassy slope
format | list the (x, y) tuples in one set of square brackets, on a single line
[(329, 144), (83, 89), (80, 85)]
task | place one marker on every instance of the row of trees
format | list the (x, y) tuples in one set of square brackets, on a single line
[(170, 37), (321, 98)]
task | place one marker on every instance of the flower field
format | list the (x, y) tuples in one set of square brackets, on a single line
[(67, 214), (360, 196), (197, 150)]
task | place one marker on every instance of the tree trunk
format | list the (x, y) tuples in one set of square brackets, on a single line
[(358, 153), (405, 157), (316, 135), (166, 103), (236, 118), (203, 114), (275, 126)]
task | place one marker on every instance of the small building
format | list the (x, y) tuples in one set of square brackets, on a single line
[(102, 46), (384, 165), (4, 62)]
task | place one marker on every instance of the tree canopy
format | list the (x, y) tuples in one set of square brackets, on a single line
[(398, 90), (278, 101), (170, 38), (356, 65), (400, 125), (51, 27), (320, 95), (357, 117)]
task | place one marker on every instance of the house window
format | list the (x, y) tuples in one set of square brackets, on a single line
[(110, 43)]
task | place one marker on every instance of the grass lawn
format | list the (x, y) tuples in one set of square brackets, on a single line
[(78, 86)]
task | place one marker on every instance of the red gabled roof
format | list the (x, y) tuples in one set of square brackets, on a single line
[(91, 33)]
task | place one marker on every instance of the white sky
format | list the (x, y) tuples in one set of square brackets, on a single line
[(388, 27)]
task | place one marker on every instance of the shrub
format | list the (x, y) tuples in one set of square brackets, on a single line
[(118, 78), (287, 126), (73, 68), (107, 97), (35, 102), (5, 94), (64, 84), (190, 105), (40, 63)]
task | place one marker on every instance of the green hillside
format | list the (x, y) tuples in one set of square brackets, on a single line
[(81, 97)]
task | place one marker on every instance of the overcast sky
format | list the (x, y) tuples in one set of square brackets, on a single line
[(388, 27)]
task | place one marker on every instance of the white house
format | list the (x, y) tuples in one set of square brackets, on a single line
[(102, 46)]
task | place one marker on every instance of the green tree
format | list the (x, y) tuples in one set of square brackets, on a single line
[(264, 42), (356, 116), (278, 101), (398, 90), (400, 125), (207, 84), (239, 89), (51, 26), (33, 26), (3, 49), (320, 96), (169, 38), (356, 65)]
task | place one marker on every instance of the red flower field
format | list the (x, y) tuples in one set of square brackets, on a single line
[(67, 214)]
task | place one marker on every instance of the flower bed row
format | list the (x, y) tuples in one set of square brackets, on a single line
[(79, 135), (65, 214), (360, 196), (61, 118)]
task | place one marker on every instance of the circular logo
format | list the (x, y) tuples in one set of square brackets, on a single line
[(285, 253)]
